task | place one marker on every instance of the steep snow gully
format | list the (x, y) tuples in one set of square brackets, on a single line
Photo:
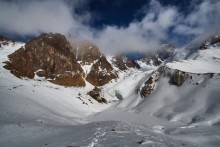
[(176, 104)]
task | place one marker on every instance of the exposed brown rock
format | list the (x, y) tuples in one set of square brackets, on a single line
[(178, 78), (119, 63), (160, 55), (6, 39), (156, 61), (87, 52), (18, 64), (132, 64), (146, 90), (214, 40), (149, 85), (101, 72), (76, 81), (95, 93), (150, 80), (50, 53)]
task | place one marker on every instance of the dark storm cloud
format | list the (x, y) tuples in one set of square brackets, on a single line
[(34, 17)]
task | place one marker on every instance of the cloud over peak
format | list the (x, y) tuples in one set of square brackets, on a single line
[(158, 24)]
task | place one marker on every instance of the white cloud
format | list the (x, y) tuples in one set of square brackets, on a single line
[(34, 17), (167, 18), (143, 35), (204, 18)]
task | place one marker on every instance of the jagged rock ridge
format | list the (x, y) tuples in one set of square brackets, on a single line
[(50, 56), (101, 72), (53, 57), (212, 41), (61, 62), (176, 77), (123, 63), (86, 52), (4, 40)]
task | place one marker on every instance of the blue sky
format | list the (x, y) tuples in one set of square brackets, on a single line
[(113, 25), (122, 12)]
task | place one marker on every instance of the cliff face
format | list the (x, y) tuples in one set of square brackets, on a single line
[(101, 72), (123, 63), (53, 57), (50, 56), (178, 78), (119, 62), (87, 52)]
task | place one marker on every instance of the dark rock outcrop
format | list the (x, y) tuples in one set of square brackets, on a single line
[(101, 72), (214, 40), (87, 52), (50, 56), (123, 63), (156, 58), (148, 86), (75, 80), (119, 62), (146, 90), (132, 64), (178, 78), (5, 40), (156, 61), (95, 93), (165, 52)]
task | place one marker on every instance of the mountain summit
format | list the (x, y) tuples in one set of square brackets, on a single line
[(53, 57)]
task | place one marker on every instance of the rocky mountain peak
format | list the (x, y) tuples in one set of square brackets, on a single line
[(50, 56), (101, 72), (119, 62), (53, 57), (56, 41), (87, 52), (5, 40), (212, 41)]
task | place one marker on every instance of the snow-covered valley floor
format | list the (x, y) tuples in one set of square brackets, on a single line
[(39, 113)]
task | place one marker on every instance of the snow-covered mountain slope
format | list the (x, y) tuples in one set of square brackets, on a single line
[(186, 91), (196, 86), (201, 42), (203, 61), (193, 83), (27, 97), (35, 112), (174, 105), (96, 134)]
